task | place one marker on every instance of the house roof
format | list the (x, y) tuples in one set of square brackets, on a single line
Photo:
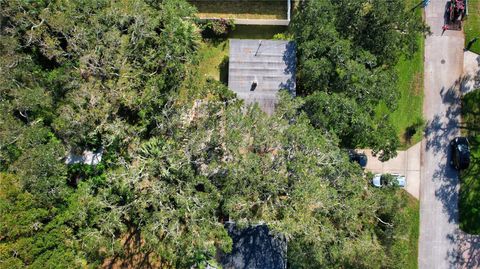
[(269, 63), (255, 247)]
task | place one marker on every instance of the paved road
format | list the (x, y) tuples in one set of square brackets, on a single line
[(441, 243), (438, 247)]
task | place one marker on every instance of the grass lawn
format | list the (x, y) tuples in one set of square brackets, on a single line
[(412, 213), (213, 54), (469, 197), (472, 24), (242, 10), (408, 117), (213, 57), (409, 113)]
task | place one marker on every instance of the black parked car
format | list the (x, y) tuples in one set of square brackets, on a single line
[(460, 153), (359, 158)]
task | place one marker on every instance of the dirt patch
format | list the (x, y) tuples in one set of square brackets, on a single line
[(134, 256), (417, 84), (241, 9)]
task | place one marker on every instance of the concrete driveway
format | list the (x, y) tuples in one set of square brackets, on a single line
[(406, 163), (471, 72)]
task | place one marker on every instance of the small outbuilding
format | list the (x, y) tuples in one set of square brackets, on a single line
[(259, 69)]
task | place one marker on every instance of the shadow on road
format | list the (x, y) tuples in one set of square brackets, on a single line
[(438, 134), (442, 128), (467, 254)]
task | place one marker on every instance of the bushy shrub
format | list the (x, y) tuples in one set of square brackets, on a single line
[(283, 36), (217, 27)]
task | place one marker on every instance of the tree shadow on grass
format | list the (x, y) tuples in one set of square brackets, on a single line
[(215, 40), (223, 69), (471, 113), (133, 256), (469, 203), (412, 130), (420, 4)]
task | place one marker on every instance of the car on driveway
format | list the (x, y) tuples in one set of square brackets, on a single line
[(357, 157), (460, 158), (382, 180)]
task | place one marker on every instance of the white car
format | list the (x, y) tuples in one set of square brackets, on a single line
[(379, 180)]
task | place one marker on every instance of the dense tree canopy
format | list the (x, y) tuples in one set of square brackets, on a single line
[(198, 169), (94, 70), (342, 116), (347, 49), (180, 158)]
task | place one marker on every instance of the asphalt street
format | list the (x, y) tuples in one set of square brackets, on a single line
[(440, 238)]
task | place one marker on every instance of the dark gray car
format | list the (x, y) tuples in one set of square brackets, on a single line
[(460, 149)]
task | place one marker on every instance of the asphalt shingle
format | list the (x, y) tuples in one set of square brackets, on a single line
[(269, 63)]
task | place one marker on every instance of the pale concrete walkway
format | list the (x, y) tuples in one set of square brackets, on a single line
[(254, 21), (406, 163), (471, 72), (261, 22)]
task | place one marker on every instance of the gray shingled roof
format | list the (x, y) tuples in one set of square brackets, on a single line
[(255, 247), (271, 63)]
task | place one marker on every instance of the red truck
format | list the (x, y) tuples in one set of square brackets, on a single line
[(456, 11)]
